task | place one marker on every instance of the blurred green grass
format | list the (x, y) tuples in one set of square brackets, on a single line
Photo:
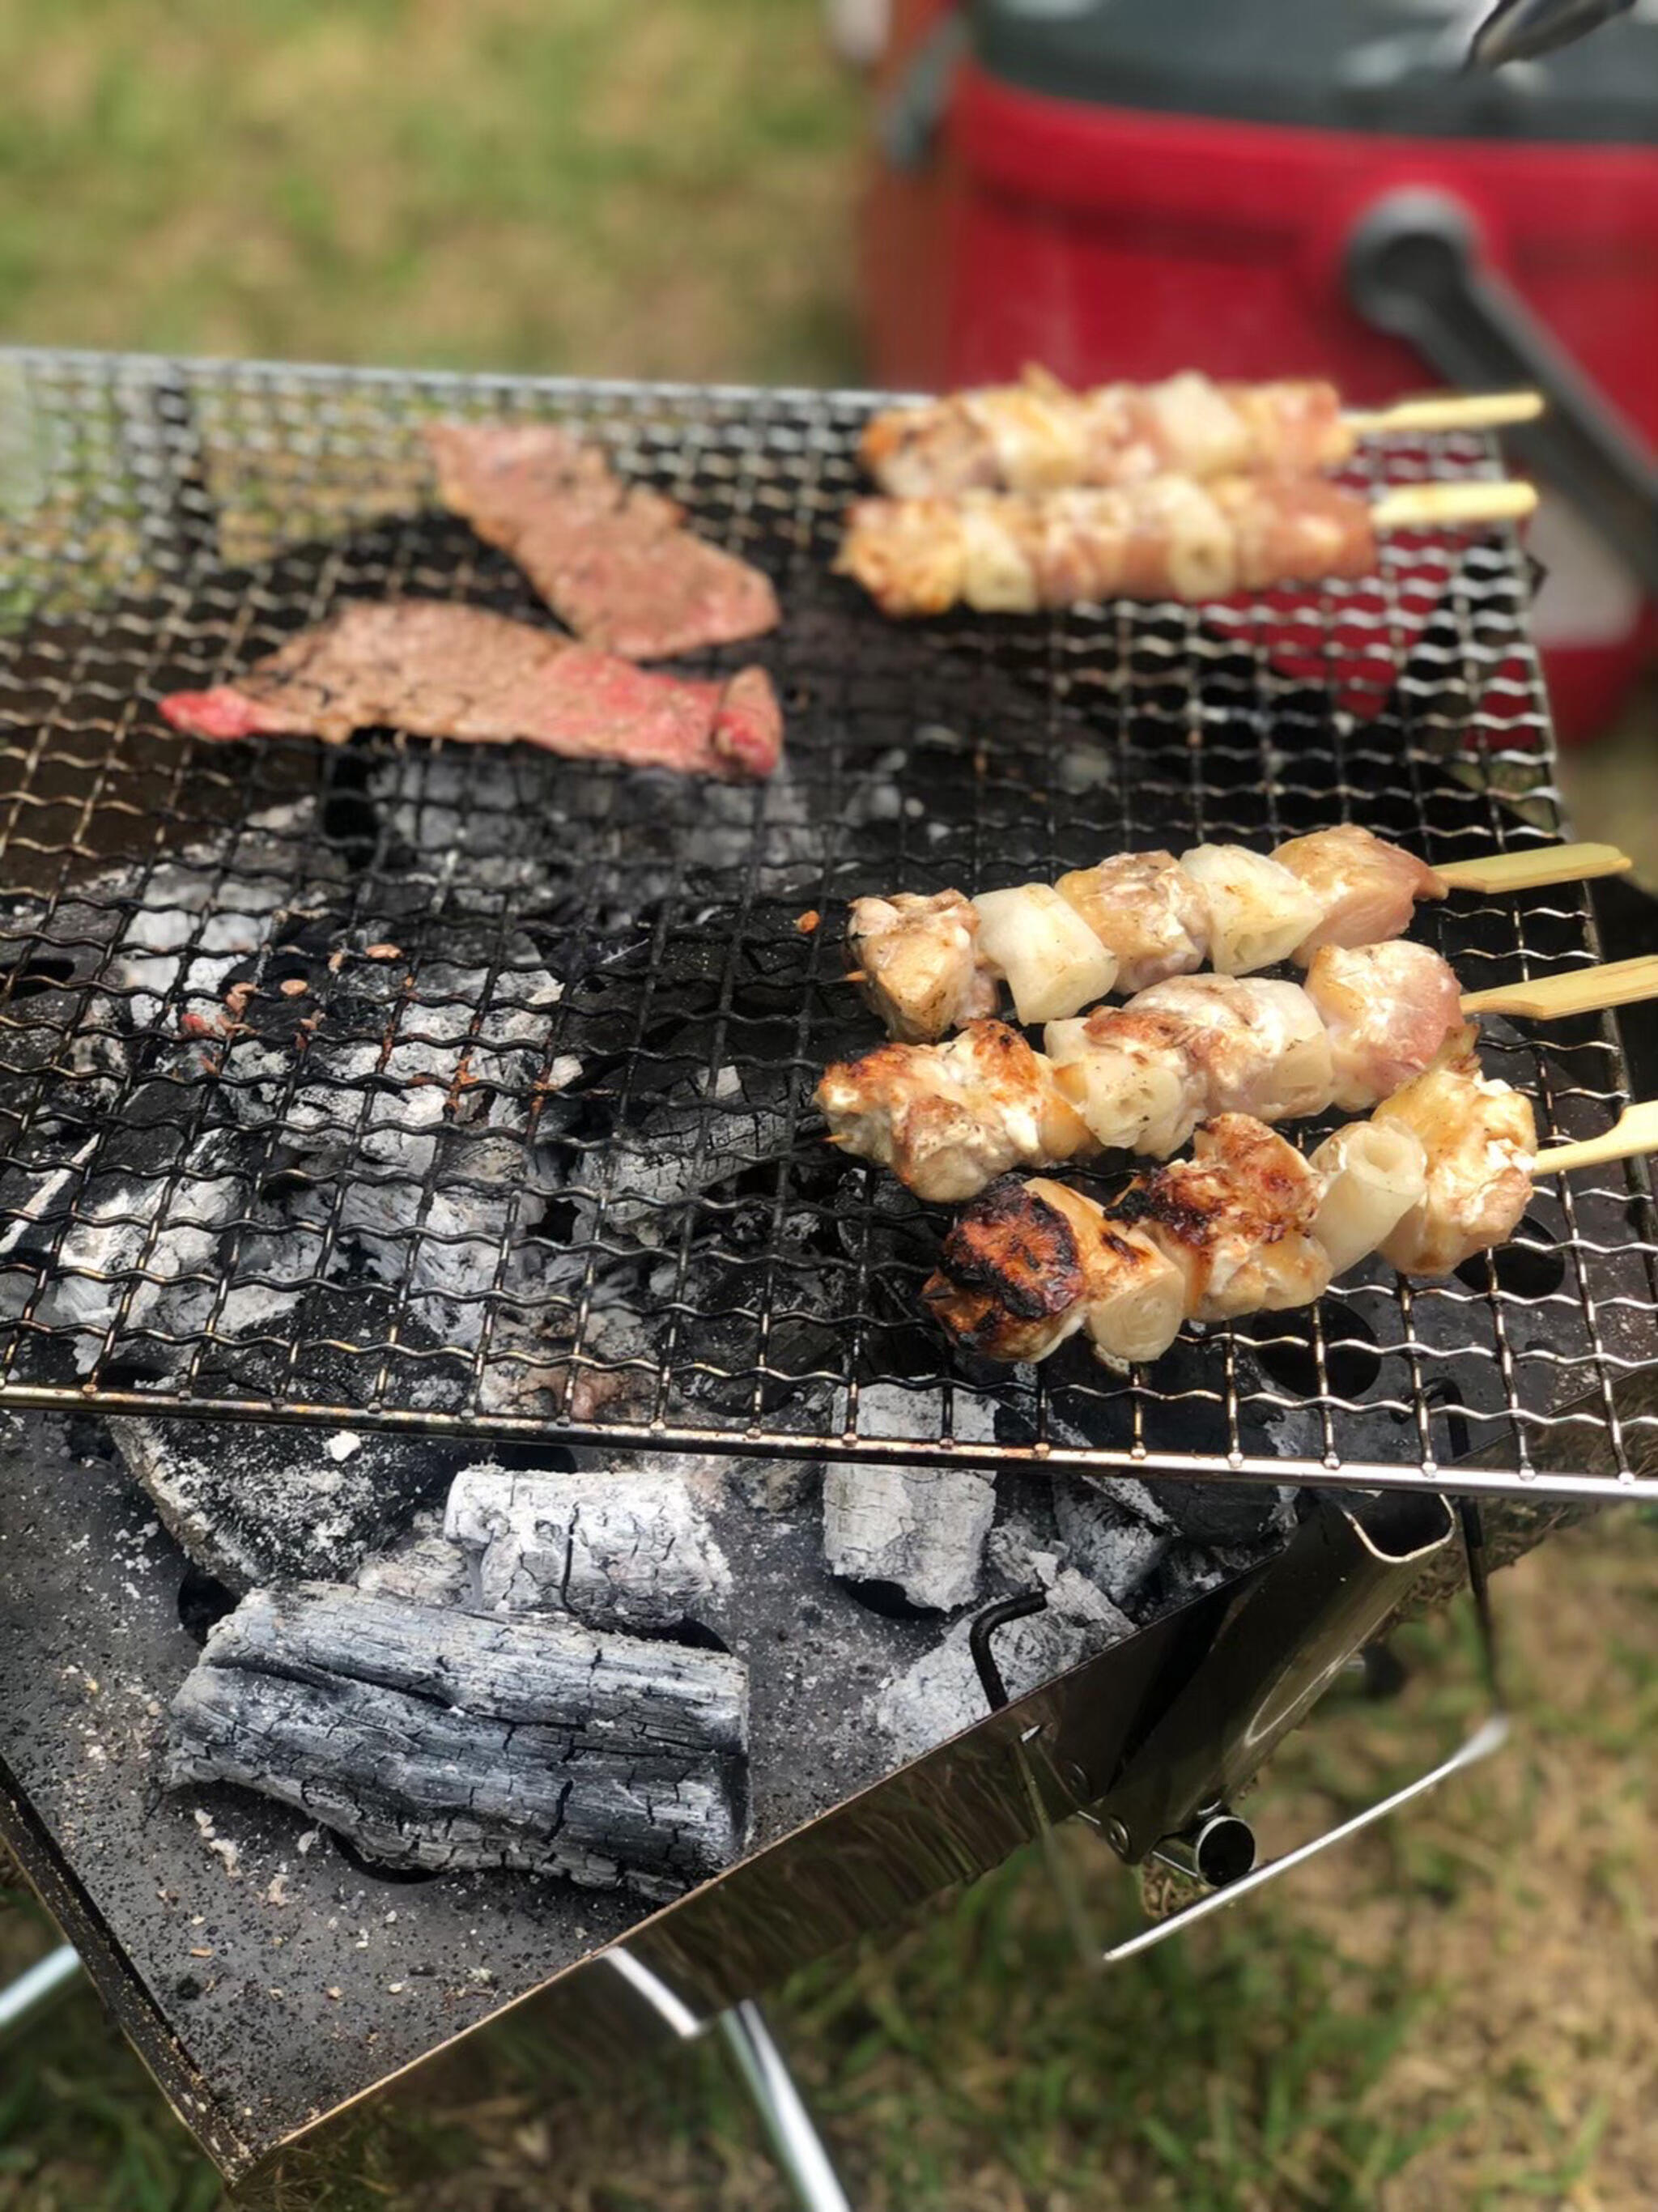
[(597, 186)]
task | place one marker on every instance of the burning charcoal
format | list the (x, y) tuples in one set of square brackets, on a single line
[(627, 1548), (941, 1693), (150, 1206), (434, 1738), (264, 1503), (923, 1529), (1104, 1538), (422, 1566)]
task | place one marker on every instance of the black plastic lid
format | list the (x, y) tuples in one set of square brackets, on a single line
[(1369, 65)]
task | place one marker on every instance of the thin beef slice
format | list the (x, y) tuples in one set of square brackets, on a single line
[(438, 671), (612, 560)]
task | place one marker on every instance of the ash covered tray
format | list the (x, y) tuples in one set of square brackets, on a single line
[(409, 1084), (328, 1786)]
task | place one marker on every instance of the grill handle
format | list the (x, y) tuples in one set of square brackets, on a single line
[(1414, 269)]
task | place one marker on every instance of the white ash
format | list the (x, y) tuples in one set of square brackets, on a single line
[(887, 1411), (1115, 1547), (614, 1549), (923, 1529), (422, 1565), (941, 1694), (767, 1485), (263, 1503)]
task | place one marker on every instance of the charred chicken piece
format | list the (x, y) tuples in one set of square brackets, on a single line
[(1031, 1263), (948, 1119), (1236, 1219)]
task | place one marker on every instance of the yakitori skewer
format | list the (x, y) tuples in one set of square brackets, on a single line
[(1589, 990), (1443, 1170), (1170, 538), (1635, 1132), (948, 1118), (1533, 868), (928, 963), (1039, 434)]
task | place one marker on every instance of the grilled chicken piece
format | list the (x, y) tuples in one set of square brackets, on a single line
[(1258, 1043), (1146, 910), (920, 958), (1169, 537), (1480, 1140), (1031, 1263), (1258, 911), (1388, 1009), (947, 1119), (1366, 889), (1237, 1218), (1132, 1076), (1037, 434)]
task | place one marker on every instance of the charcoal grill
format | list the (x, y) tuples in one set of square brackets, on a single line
[(542, 1167), (552, 1173)]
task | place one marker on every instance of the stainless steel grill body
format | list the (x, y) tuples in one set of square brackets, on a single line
[(552, 1171)]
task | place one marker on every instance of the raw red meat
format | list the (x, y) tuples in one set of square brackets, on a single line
[(438, 671), (613, 561)]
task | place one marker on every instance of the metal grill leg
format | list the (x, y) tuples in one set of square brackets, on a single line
[(796, 2142), (38, 1986)]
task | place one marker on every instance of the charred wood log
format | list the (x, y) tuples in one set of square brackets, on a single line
[(921, 1529), (612, 1549), (433, 1738)]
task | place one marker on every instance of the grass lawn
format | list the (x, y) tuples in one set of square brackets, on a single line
[(1455, 2014), (640, 187), (1459, 2012)]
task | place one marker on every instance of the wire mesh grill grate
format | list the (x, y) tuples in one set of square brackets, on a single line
[(513, 1133)]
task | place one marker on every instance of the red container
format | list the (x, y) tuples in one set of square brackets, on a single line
[(1106, 241)]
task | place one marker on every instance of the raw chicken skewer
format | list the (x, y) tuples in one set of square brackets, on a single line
[(1039, 434), (928, 963), (1443, 1170), (1169, 537), (948, 1119)]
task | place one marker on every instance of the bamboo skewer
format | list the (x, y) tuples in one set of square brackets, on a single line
[(1445, 411), (1445, 505), (1635, 1132), (1578, 991), (1534, 868)]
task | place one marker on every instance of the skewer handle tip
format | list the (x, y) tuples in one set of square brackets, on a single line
[(1445, 411), (1577, 991), (1451, 506), (1533, 868), (1635, 1132)]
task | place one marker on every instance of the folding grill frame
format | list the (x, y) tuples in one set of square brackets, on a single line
[(166, 523)]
